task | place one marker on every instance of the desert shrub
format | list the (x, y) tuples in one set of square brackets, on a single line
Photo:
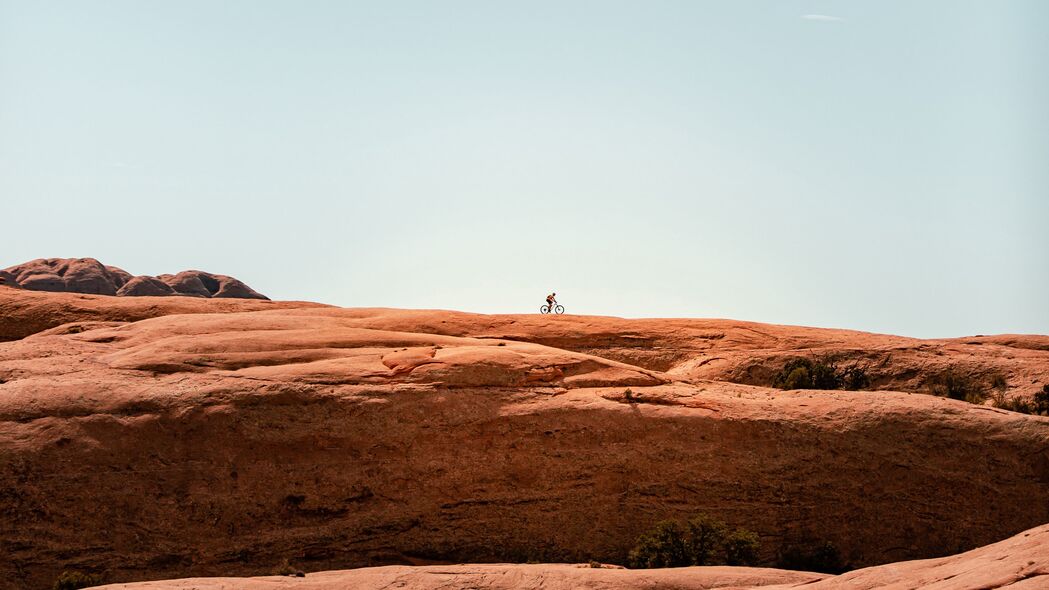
[(741, 548), (822, 557), (998, 382), (855, 378), (1021, 406), (820, 373), (74, 580), (1037, 405), (663, 546), (706, 539), (794, 377), (804, 373), (700, 541), (1000, 391), (1041, 401), (955, 385)]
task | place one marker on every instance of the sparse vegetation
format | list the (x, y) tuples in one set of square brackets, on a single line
[(956, 385), (822, 557), (999, 391), (855, 378), (700, 541), (998, 382), (1037, 405), (821, 373), (286, 569), (74, 580)]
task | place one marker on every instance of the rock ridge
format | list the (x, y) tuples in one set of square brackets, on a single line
[(89, 276), (164, 437)]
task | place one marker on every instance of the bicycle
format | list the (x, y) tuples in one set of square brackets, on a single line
[(558, 309)]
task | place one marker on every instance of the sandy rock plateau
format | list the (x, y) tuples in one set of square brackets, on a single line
[(169, 437)]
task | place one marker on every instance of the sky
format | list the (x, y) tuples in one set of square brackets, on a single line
[(881, 166)]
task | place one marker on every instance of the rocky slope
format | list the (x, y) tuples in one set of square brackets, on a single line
[(87, 275), (160, 441), (1018, 563)]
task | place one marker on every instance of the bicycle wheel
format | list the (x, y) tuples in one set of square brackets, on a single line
[(559, 309), (544, 309)]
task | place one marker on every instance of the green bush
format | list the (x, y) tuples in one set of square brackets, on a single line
[(74, 580), (820, 373), (663, 546), (741, 548), (855, 378), (955, 385), (706, 540), (813, 557), (700, 541)]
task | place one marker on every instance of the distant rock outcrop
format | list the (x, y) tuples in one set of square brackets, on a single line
[(89, 276), (187, 282), (145, 287)]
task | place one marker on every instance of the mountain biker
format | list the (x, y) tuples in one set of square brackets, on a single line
[(551, 300)]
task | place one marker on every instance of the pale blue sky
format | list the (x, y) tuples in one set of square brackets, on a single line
[(878, 165)]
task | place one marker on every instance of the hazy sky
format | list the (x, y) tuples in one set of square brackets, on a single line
[(878, 165)]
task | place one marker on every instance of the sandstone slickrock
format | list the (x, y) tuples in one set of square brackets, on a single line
[(219, 443), (76, 275), (24, 312), (499, 577), (1018, 563), (8, 280), (89, 276), (187, 283), (145, 287)]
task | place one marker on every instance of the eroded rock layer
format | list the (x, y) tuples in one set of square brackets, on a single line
[(193, 444)]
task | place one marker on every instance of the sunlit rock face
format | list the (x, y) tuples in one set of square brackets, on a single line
[(166, 437)]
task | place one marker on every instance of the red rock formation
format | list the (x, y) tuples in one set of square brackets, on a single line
[(75, 275), (24, 312), (203, 284), (145, 287), (220, 443), (187, 283), (89, 276), (1020, 562), (8, 280)]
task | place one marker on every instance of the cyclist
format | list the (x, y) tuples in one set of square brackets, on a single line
[(551, 300)]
